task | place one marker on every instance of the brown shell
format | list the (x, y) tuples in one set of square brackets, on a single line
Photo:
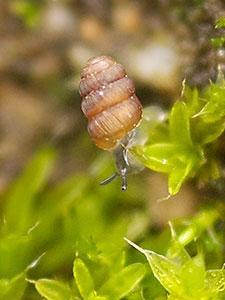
[(108, 101)]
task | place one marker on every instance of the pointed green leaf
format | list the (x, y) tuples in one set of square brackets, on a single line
[(157, 157), (14, 288), (206, 134), (83, 278), (191, 98), (202, 221), (53, 289), (179, 125), (178, 176), (193, 275), (121, 284), (164, 269), (177, 253), (192, 269), (214, 109)]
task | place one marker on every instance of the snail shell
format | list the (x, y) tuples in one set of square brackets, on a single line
[(108, 101)]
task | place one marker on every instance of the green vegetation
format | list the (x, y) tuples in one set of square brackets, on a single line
[(45, 228), (181, 145)]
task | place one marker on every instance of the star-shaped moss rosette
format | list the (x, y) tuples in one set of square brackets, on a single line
[(184, 277), (180, 146), (177, 156)]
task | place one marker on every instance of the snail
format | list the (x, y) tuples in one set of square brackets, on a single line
[(112, 109)]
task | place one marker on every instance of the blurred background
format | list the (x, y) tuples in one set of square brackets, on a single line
[(43, 47)]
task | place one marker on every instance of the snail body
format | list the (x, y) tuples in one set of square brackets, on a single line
[(112, 109), (108, 101)]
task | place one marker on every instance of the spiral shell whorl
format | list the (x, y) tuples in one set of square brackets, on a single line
[(108, 101)]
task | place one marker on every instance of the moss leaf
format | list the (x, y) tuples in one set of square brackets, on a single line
[(158, 156), (121, 284), (53, 289), (83, 278), (178, 176), (179, 125)]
